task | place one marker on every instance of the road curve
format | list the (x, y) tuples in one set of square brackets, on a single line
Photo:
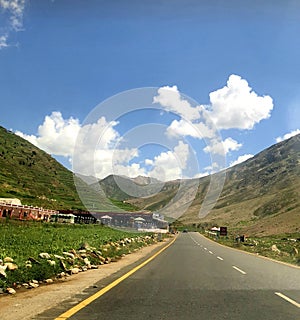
[(196, 278)]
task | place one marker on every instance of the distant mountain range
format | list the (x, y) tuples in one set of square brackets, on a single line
[(260, 195)]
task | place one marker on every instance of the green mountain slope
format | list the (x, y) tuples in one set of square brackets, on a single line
[(33, 176), (37, 179)]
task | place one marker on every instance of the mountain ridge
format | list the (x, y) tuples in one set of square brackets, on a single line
[(260, 195)]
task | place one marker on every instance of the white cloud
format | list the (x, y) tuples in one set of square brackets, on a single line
[(94, 146), (99, 152), (133, 170), (212, 168), (16, 9), (288, 135), (237, 106), (100, 135), (170, 98), (222, 147), (96, 152), (201, 175), (241, 159), (196, 130), (149, 162), (103, 162), (3, 41), (15, 23), (181, 151), (171, 164), (56, 135)]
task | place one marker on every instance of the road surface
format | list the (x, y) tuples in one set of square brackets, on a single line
[(196, 278)]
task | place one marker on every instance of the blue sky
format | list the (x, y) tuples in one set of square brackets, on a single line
[(238, 60)]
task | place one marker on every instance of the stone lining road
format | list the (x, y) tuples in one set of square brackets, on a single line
[(196, 278)]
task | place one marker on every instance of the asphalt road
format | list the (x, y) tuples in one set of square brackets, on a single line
[(196, 278)]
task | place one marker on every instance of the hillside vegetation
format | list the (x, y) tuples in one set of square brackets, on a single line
[(260, 196), (37, 179), (33, 176)]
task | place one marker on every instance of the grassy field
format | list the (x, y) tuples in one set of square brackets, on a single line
[(284, 247), (66, 245)]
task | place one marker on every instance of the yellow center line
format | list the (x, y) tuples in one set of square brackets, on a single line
[(84, 303)]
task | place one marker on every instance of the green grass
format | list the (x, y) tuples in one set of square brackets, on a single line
[(33, 176), (288, 244), (23, 241), (124, 205)]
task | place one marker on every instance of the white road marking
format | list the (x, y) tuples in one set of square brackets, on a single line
[(293, 302), (210, 252), (238, 269), (205, 248), (220, 258)]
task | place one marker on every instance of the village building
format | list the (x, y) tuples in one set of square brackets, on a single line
[(12, 208)]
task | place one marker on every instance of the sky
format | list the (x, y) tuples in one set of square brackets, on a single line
[(166, 89)]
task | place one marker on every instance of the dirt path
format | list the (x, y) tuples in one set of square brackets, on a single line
[(27, 303)]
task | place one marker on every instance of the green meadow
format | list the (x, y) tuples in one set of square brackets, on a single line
[(24, 241)]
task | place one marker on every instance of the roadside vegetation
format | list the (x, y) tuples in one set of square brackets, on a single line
[(35, 251), (284, 247)]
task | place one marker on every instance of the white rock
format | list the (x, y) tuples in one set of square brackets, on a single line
[(68, 254), (51, 262), (275, 249), (59, 257), (33, 285), (87, 261), (75, 270), (11, 291), (44, 255), (11, 266), (2, 271), (48, 281)]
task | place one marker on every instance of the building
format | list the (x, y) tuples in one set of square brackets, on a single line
[(11, 208)]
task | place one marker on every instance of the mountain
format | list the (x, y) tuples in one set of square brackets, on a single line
[(144, 181), (260, 195), (123, 188), (37, 179), (33, 176)]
